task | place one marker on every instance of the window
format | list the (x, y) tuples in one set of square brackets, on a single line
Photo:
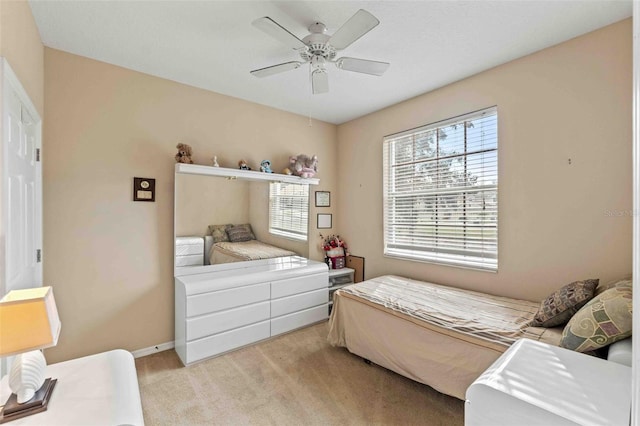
[(441, 192), (289, 210)]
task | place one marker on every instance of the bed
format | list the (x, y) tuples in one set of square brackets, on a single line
[(440, 336), (227, 252)]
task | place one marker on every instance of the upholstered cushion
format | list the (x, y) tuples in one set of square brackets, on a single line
[(558, 308), (607, 318), (239, 233), (219, 232)]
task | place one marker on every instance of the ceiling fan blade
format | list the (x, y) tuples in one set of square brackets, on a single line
[(275, 69), (278, 32), (364, 66), (320, 81), (357, 26)]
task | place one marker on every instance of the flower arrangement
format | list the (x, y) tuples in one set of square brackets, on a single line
[(334, 246)]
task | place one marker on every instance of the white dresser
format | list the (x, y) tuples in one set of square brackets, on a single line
[(189, 251), (216, 312)]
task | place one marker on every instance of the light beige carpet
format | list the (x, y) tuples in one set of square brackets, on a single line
[(295, 379)]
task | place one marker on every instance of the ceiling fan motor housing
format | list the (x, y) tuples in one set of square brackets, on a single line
[(317, 43)]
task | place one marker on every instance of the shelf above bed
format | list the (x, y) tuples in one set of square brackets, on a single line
[(196, 169)]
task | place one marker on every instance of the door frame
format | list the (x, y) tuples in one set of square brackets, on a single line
[(635, 366)]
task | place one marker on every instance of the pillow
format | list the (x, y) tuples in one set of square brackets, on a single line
[(562, 304), (219, 232), (617, 283), (607, 318), (240, 233)]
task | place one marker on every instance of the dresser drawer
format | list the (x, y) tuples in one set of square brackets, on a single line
[(289, 304), (226, 299), (223, 342), (298, 285), (206, 325), (190, 260), (299, 319)]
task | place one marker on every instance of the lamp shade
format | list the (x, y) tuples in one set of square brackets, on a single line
[(28, 320)]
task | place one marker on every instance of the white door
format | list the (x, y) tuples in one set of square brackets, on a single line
[(23, 190), (21, 196)]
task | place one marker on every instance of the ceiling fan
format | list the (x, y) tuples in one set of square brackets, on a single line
[(318, 49)]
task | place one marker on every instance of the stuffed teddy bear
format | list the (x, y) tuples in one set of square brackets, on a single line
[(184, 154), (265, 166), (304, 166)]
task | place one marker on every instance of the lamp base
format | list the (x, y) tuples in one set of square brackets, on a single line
[(13, 410)]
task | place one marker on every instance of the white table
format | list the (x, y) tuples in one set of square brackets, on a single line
[(99, 389), (533, 383)]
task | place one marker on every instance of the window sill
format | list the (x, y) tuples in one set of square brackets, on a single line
[(451, 263)]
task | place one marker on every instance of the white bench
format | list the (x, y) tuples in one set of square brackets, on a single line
[(99, 389)]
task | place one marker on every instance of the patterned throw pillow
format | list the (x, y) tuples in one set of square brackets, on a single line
[(606, 286), (219, 233), (560, 306), (240, 233), (607, 318)]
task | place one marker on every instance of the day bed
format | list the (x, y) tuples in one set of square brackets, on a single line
[(440, 336)]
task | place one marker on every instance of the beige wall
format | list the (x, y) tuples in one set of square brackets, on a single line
[(20, 45), (569, 101), (204, 200), (108, 258)]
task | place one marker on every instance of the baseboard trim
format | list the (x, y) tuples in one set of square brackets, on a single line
[(153, 349)]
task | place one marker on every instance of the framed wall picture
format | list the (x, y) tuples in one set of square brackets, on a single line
[(323, 199), (144, 189), (324, 221)]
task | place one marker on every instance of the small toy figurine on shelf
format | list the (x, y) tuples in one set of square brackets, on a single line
[(265, 166), (286, 171), (304, 166), (242, 165), (214, 161), (184, 153)]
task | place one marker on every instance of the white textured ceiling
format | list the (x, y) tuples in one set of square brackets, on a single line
[(212, 44)]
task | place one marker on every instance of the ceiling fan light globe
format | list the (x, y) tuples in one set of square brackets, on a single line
[(319, 81)]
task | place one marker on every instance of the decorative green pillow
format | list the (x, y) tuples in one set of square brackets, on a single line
[(602, 287), (240, 233), (556, 309), (607, 318), (219, 232)]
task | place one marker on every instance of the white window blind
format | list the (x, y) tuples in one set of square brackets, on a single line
[(289, 210), (441, 192)]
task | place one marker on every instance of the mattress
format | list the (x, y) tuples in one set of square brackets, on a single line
[(437, 335), (226, 252)]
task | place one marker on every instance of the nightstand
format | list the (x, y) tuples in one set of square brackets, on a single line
[(338, 278), (533, 383), (99, 389)]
